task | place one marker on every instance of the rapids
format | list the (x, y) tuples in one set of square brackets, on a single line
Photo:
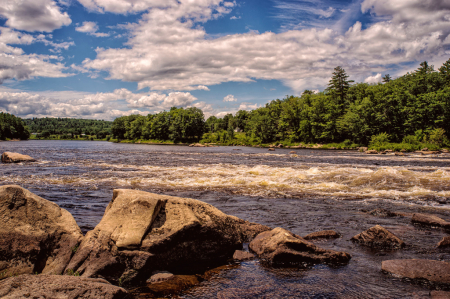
[(310, 191)]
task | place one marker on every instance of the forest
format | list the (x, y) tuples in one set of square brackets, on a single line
[(12, 127), (68, 128), (412, 110)]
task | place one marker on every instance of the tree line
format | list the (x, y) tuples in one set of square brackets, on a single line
[(68, 127), (12, 127), (408, 109)]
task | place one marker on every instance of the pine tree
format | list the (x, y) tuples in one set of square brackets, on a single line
[(444, 70), (339, 83), (387, 78)]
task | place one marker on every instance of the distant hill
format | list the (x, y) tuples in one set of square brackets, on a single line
[(62, 126)]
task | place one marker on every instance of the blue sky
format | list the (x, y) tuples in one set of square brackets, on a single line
[(106, 58)]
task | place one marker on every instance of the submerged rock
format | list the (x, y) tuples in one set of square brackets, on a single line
[(444, 243), (240, 255), (172, 285), (378, 237), (143, 232), (429, 270), (9, 157), (371, 152), (382, 213), (58, 286), (37, 236), (326, 234), (430, 220), (280, 246), (271, 149)]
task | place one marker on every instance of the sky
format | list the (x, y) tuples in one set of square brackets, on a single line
[(102, 59)]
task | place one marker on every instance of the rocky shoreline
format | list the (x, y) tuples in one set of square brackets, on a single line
[(150, 245)]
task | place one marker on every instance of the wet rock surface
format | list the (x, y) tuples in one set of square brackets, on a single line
[(240, 255), (168, 286), (9, 157), (281, 247), (429, 270), (143, 232), (440, 295), (325, 234), (444, 243), (58, 287), (37, 236), (430, 220), (379, 237)]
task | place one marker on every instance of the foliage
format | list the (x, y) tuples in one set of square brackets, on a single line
[(70, 272), (12, 127)]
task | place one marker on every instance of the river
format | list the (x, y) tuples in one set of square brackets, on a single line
[(308, 191)]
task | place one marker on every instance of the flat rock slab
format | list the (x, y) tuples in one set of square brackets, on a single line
[(58, 286), (281, 247), (173, 285), (325, 234), (444, 243), (378, 237), (430, 270), (440, 295), (9, 157), (430, 220)]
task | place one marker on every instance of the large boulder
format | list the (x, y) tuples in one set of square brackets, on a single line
[(379, 237), (36, 234), (430, 220), (9, 157), (58, 286), (281, 247), (143, 232), (430, 270)]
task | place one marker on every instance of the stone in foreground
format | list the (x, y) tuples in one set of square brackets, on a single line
[(58, 286), (430, 220), (37, 236), (143, 232), (379, 237), (9, 157), (240, 255), (280, 247), (325, 234), (430, 270)]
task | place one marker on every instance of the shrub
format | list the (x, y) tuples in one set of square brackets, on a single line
[(379, 139)]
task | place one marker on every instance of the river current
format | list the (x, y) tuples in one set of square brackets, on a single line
[(308, 191)]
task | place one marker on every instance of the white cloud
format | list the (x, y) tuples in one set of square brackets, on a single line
[(373, 79), (33, 15), (91, 28), (235, 18), (168, 51), (248, 106), (229, 98)]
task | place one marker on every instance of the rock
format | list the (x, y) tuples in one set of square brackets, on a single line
[(431, 220), (37, 236), (240, 255), (440, 295), (382, 213), (271, 149), (399, 154), (325, 234), (430, 270), (292, 152), (280, 246), (444, 243), (280, 145), (378, 237), (425, 149), (363, 149), (388, 151), (159, 277), (430, 153), (173, 285), (403, 150), (371, 152), (9, 157), (444, 150), (58, 286), (142, 232)]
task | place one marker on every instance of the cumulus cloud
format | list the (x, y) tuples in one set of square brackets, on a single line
[(229, 98), (248, 106), (373, 79), (99, 105), (33, 15), (168, 51), (91, 28), (15, 64)]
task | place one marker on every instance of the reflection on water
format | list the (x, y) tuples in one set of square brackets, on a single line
[(306, 192)]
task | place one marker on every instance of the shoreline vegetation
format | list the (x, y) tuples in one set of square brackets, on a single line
[(407, 114)]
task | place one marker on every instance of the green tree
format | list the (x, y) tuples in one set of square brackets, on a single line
[(339, 83)]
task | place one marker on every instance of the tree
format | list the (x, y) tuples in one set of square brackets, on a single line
[(339, 83), (387, 78), (444, 70)]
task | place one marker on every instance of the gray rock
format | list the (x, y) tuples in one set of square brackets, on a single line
[(57, 287), (36, 234)]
